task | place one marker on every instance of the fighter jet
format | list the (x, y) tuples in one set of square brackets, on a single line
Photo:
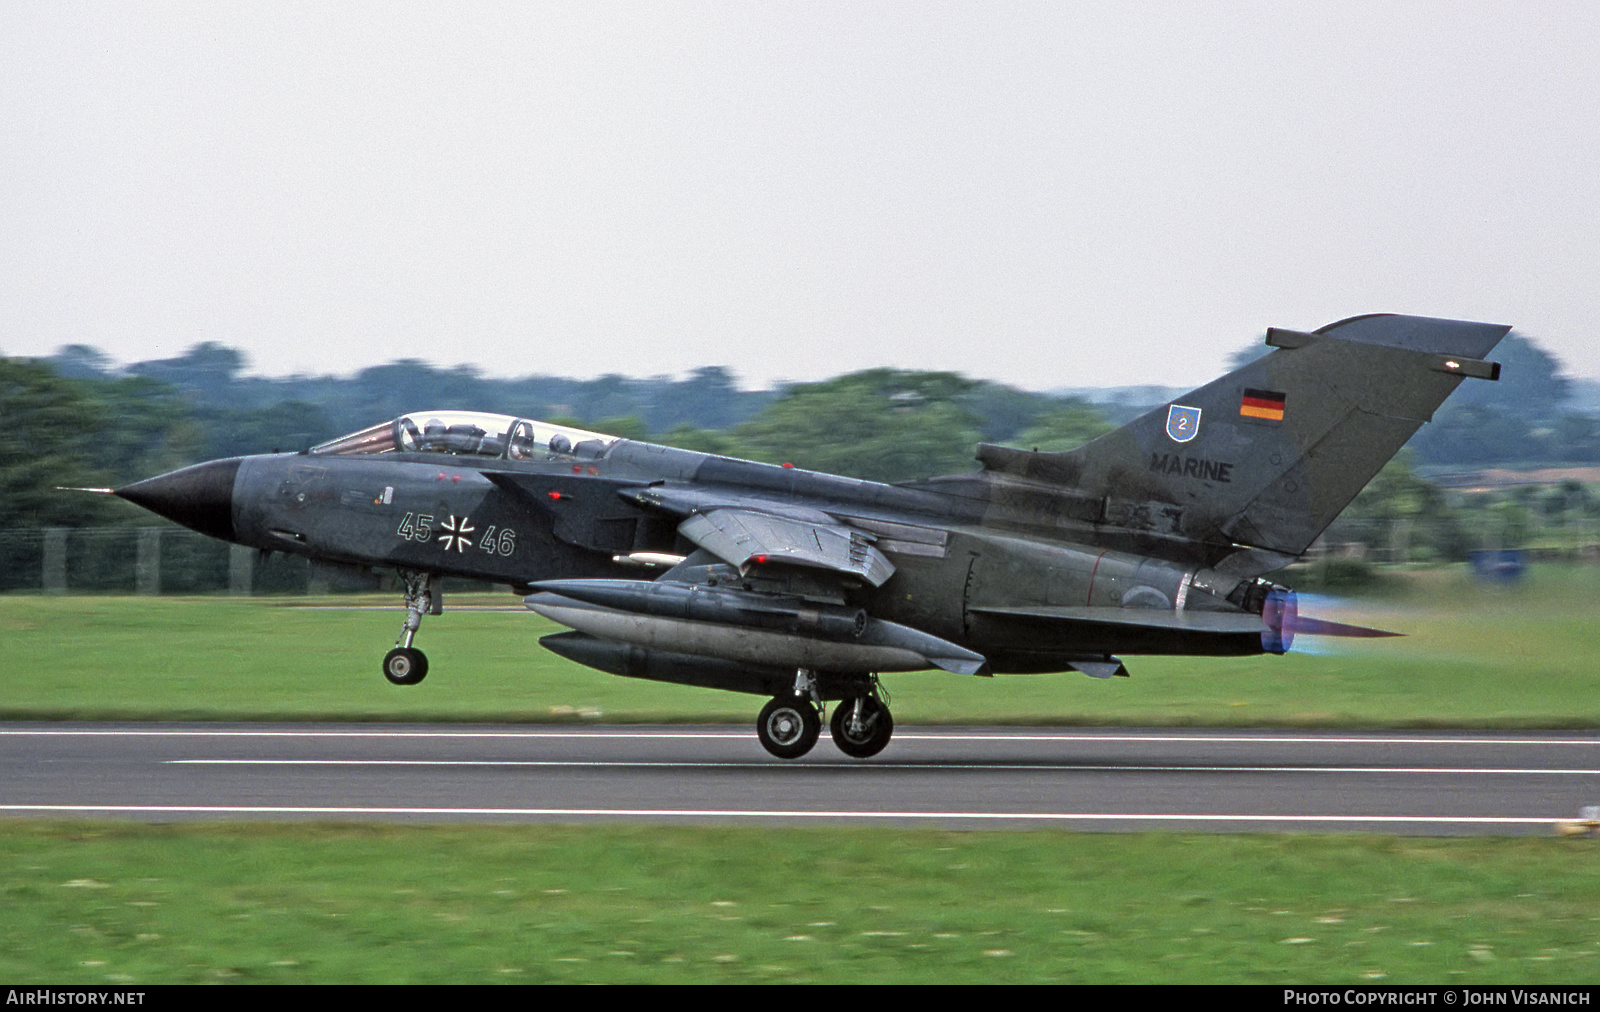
[(693, 568)]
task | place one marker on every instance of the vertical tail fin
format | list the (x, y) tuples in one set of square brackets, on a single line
[(1268, 455)]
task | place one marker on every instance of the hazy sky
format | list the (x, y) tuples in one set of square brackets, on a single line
[(1050, 195)]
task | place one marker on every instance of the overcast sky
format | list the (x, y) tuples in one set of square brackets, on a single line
[(1063, 194)]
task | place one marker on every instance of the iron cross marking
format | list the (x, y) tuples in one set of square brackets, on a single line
[(455, 534)]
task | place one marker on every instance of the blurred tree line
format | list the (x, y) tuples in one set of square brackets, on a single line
[(74, 419)]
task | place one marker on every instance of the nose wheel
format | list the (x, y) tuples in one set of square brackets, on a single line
[(405, 666), (789, 726)]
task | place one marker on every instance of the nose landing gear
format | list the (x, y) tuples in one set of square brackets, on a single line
[(406, 665)]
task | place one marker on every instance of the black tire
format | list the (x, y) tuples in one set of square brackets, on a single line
[(788, 727), (405, 666), (870, 736)]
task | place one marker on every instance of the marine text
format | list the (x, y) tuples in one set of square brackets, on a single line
[(1192, 467)]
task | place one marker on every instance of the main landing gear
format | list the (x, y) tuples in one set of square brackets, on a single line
[(790, 725), (861, 726), (405, 664)]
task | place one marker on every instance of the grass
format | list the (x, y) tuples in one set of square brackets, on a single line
[(128, 904), (1472, 657)]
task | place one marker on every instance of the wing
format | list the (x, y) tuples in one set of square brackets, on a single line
[(745, 537)]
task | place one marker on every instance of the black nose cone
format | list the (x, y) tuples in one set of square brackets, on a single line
[(199, 497)]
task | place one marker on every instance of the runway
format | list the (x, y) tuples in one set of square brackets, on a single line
[(1436, 783)]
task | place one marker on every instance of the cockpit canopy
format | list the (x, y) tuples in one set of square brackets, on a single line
[(474, 434)]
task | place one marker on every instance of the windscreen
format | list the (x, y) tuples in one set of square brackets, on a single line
[(377, 439)]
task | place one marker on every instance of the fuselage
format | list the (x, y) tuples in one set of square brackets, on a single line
[(979, 562)]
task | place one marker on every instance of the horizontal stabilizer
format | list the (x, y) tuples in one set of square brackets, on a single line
[(1149, 618), (1288, 625)]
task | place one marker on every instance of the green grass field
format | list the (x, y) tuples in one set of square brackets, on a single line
[(102, 904), (1472, 657), (127, 903)]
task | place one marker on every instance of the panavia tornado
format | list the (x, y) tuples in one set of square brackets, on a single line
[(688, 567)]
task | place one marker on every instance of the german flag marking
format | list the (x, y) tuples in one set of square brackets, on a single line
[(1266, 404)]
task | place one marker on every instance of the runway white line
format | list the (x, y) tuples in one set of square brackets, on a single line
[(1041, 767), (900, 736), (160, 733), (1354, 739), (737, 813)]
